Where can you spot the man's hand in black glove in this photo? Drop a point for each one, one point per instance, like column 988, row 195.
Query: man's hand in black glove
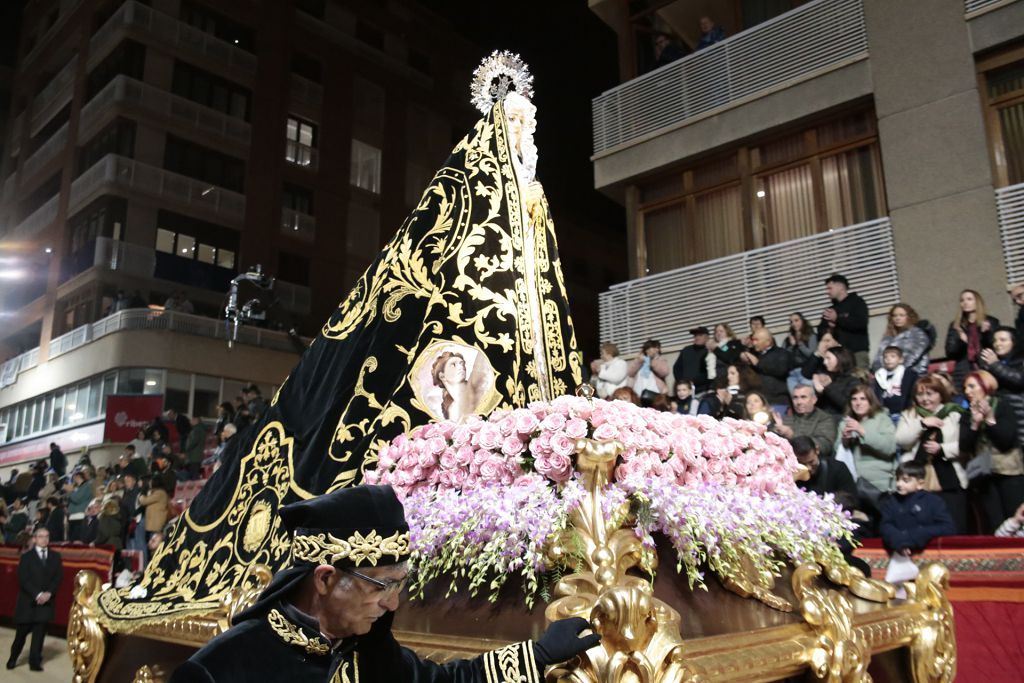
column 562, row 641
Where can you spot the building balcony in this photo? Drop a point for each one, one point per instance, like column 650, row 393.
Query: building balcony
column 1010, row 209
column 301, row 155
column 43, row 43
column 127, row 93
column 802, row 44
column 152, row 27
column 297, row 224
column 123, row 176
column 37, row 222
column 47, row 153
column 54, row 96
column 306, row 92
column 772, row 281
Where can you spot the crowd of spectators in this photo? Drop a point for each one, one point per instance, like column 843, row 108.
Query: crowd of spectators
column 863, row 421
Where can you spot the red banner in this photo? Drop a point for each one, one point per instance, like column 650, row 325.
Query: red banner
column 128, row 413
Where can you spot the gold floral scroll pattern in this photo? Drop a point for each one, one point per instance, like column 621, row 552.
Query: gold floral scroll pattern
column 329, row 549
column 839, row 654
column 86, row 639
column 933, row 650
column 293, row 635
column 149, row 674
column 511, row 664
column 254, row 537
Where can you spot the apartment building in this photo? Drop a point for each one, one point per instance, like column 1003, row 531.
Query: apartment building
column 161, row 146
column 883, row 140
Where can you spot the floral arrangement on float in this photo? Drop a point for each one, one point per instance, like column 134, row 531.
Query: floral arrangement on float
column 490, row 498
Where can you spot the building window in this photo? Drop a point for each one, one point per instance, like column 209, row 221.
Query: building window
column 127, row 59
column 301, row 142
column 821, row 178
column 306, row 66
column 365, row 172
column 1003, row 95
column 201, row 163
column 297, row 199
column 188, row 247
column 293, row 268
column 210, row 22
column 210, row 91
column 117, row 138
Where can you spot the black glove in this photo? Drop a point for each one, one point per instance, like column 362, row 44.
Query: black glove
column 562, row 641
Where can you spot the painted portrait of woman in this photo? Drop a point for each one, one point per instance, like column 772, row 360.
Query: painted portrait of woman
column 453, row 380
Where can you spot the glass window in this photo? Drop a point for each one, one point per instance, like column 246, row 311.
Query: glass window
column 37, row 414
column 131, row 381
column 153, row 381
column 95, row 394
column 206, row 254
column 186, row 246
column 179, row 385
column 365, row 171
column 226, row 258
column 165, row 241
column 206, row 396
column 47, row 412
column 71, row 405
column 853, row 187
column 786, row 204
column 664, row 237
column 301, row 139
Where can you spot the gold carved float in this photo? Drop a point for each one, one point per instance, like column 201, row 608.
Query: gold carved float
column 828, row 623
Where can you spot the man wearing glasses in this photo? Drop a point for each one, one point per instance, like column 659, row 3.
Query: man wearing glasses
column 328, row 616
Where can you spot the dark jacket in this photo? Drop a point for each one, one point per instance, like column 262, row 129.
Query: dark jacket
column 773, row 366
column 834, row 397
column 831, row 476
column 56, row 524
column 851, row 325
column 692, row 365
column 818, row 425
column 710, row 405
column 1009, row 372
column 892, row 402
column 956, row 349
column 913, row 520
column 196, row 444
column 58, row 461
column 108, row 529
column 34, row 578
column 727, row 354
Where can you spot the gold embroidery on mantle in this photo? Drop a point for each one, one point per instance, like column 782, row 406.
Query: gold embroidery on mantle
column 329, row 549
column 293, row 635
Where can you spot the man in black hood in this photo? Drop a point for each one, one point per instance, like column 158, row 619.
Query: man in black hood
column 329, row 615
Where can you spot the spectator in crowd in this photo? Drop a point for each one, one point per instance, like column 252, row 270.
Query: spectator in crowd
column 970, row 332
column 225, row 416
column 928, row 433
column 58, row 461
column 684, row 402
column 756, row 323
column 128, row 461
column 17, row 520
column 243, row 418
column 1017, row 295
column 893, row 383
column 647, row 372
column 110, row 527
column 807, row 419
column 52, row 487
column 163, row 471
column 834, row 385
column 178, row 303
column 726, row 348
column 1012, row 526
column 846, row 318
column 56, row 521
column 181, row 423
column 827, row 475
column 904, row 330
column 257, row 405
column 722, row 402
column 625, row 394
column 195, row 447
column 38, row 481
column 608, row 372
column 667, row 50
column 142, row 447
column 692, row 361
column 867, row 438
column 156, row 505
column 710, row 33
column 914, row 516
column 772, row 364
column 757, row 408
column 801, row 342
column 79, row 492
column 225, row 436
column 995, row 465
column 39, row 574
column 1007, row 366
column 90, row 525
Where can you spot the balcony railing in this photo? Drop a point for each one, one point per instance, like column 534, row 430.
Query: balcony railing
column 170, row 321
column 172, row 34
column 975, row 6
column 40, row 219
column 805, row 42
column 298, row 224
column 306, row 91
column 11, row 368
column 42, row 44
column 772, row 281
column 47, row 152
column 300, row 154
column 1010, row 208
column 128, row 91
column 53, row 96
column 130, row 175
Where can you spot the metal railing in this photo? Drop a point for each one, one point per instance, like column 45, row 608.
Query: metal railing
column 39, row 220
column 47, row 152
column 812, row 39
column 306, row 91
column 53, row 96
column 1010, row 209
column 157, row 183
column 297, row 224
column 975, row 6
column 772, row 281
column 170, row 33
column 170, row 321
column 300, row 154
column 11, row 368
column 126, row 90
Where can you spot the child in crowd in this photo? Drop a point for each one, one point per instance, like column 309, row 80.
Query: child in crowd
column 913, row 517
column 893, row 382
column 1013, row 526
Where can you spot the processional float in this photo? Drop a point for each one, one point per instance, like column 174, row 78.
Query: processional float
column 450, row 372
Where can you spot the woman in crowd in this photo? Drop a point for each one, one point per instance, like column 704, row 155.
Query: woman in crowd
column 608, row 372
column 970, row 332
column 757, row 408
column 832, row 377
column 722, row 402
column 928, row 432
column 79, row 493
column 156, row 503
column 647, row 372
column 868, row 435
column 109, row 525
column 801, row 343
column 726, row 348
column 902, row 331
column 225, row 416
column 143, row 446
column 989, row 440
column 1007, row 366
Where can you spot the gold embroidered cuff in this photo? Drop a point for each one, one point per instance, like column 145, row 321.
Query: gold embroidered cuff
column 326, row 548
column 513, row 663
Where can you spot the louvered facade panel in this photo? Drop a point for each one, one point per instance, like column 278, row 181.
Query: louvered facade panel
column 1010, row 206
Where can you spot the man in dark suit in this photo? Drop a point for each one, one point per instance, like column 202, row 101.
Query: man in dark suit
column 39, row 574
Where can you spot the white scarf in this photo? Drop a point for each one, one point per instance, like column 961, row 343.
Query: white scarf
column 890, row 387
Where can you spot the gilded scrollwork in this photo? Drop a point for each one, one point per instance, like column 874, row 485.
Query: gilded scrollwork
column 86, row 638
column 933, row 649
column 839, row 653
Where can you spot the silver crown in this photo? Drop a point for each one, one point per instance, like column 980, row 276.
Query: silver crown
column 498, row 75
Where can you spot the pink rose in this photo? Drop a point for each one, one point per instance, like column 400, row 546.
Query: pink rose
column 462, row 435
column 464, row 456
column 555, row 467
column 512, row 446
column 488, row 436
column 562, row 445
column 492, row 469
column 449, row 460
column 606, row 432
column 526, row 422
column 576, row 428
column 553, row 422
column 507, row 425
column 436, row 445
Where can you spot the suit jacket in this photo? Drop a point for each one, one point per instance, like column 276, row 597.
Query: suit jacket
column 34, row 578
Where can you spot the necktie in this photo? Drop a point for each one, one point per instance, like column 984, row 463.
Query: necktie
column 43, row 556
